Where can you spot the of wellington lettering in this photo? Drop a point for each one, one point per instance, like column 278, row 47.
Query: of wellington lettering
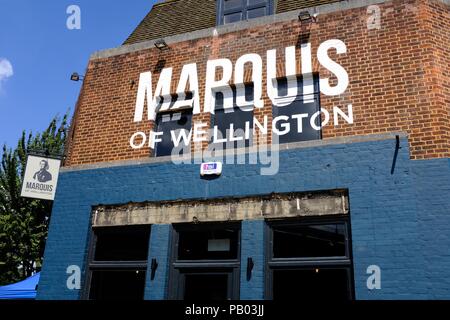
column 160, row 99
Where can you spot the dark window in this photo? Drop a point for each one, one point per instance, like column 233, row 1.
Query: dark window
column 232, row 17
column 300, row 126
column 237, row 117
column 208, row 244
column 121, row 244
column 205, row 262
column 311, row 284
column 171, row 121
column 309, row 260
column 291, row 241
column 212, row 286
column 117, row 285
column 229, row 11
column 255, row 13
column 117, row 263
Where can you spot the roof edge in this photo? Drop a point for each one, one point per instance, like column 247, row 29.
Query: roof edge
column 224, row 29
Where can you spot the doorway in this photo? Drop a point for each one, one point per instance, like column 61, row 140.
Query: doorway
column 205, row 262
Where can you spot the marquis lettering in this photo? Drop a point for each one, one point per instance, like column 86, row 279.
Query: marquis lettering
column 39, row 186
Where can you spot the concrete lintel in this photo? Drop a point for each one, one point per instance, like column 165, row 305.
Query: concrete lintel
column 228, row 209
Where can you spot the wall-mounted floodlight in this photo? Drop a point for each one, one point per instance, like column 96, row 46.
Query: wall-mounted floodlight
column 76, row 77
column 305, row 17
column 161, row 44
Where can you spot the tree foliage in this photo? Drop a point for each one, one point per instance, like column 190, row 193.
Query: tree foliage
column 24, row 221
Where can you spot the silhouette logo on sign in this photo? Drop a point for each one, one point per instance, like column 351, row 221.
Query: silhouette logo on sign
column 43, row 175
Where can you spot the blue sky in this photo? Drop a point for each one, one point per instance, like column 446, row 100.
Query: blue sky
column 38, row 53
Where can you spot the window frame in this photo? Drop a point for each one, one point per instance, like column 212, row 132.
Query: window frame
column 339, row 262
column 220, row 107
column 315, row 94
column 93, row 265
column 157, row 124
column 236, row 145
column 243, row 8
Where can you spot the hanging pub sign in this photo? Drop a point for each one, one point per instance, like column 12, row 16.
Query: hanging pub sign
column 41, row 177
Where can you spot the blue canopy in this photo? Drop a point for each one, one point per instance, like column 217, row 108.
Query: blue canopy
column 25, row 289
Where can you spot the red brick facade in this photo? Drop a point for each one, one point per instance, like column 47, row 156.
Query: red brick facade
column 399, row 78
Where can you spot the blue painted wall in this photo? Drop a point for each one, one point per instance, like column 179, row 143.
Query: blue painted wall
column 432, row 191
column 156, row 289
column 252, row 245
column 399, row 221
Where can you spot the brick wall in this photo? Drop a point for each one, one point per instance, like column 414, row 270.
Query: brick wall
column 399, row 78
column 433, row 209
column 435, row 31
